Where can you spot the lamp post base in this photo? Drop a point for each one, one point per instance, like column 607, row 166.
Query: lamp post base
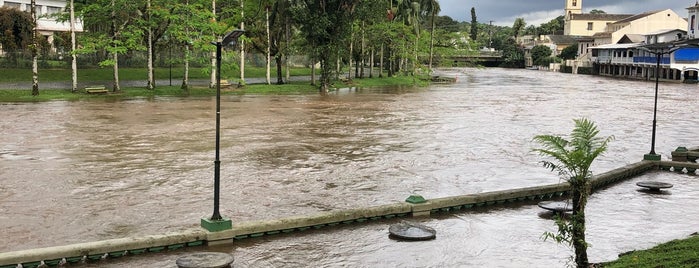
column 216, row 225
column 652, row 157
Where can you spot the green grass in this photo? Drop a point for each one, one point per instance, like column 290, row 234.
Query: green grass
column 24, row 95
column 676, row 254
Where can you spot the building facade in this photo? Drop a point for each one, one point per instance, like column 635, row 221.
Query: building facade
column 46, row 10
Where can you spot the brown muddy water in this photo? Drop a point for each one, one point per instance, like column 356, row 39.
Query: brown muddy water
column 83, row 171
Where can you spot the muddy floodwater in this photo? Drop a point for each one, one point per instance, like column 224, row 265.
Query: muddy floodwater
column 82, row 171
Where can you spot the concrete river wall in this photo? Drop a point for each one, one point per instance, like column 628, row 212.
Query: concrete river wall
column 53, row 256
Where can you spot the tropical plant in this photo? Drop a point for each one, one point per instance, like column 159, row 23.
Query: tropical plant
column 539, row 55
column 518, row 27
column 325, row 24
column 570, row 52
column 572, row 160
column 474, row 24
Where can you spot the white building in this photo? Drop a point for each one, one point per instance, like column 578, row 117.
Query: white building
column 673, row 52
column 46, row 23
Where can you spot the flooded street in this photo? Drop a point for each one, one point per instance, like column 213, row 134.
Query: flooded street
column 91, row 170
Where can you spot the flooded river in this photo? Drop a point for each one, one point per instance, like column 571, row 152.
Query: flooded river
column 90, row 170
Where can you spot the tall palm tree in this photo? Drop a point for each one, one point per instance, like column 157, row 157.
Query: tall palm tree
column 572, row 160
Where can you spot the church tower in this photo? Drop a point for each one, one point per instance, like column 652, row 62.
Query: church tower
column 692, row 23
column 572, row 7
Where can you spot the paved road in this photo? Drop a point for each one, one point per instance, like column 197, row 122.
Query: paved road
column 131, row 83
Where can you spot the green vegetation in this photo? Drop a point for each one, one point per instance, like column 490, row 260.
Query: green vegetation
column 677, row 254
column 16, row 95
column 572, row 160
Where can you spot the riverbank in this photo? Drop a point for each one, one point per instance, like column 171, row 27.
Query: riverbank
column 300, row 85
column 677, row 253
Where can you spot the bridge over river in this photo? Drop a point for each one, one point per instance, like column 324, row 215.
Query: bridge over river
column 488, row 59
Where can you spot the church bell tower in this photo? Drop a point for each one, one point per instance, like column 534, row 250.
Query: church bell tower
column 572, row 7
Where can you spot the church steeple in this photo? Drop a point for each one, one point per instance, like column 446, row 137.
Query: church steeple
column 693, row 21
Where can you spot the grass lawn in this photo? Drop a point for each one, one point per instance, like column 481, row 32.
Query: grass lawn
column 12, row 95
column 676, row 254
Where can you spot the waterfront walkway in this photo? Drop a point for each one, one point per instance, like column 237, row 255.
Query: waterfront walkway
column 53, row 256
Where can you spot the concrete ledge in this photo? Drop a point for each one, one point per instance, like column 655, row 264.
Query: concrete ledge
column 618, row 174
column 100, row 247
column 669, row 164
column 154, row 243
column 490, row 197
column 261, row 227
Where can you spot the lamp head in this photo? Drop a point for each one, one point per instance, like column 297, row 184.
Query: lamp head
column 231, row 38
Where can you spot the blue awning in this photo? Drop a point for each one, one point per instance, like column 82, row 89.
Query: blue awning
column 687, row 55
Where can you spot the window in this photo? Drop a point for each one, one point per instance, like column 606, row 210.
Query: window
column 575, row 3
column 589, row 26
column 53, row 10
column 691, row 25
column 38, row 10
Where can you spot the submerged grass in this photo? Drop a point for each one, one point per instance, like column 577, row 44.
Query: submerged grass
column 24, row 95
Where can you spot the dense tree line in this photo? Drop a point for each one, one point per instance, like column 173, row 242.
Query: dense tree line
column 331, row 32
column 344, row 36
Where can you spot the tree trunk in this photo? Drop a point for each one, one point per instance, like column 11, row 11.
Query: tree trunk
column 371, row 63
column 381, row 62
column 337, row 66
column 287, row 50
column 324, row 74
column 362, row 56
column 74, row 62
column 313, row 70
column 579, row 196
column 35, row 52
column 115, row 55
column 185, row 78
column 269, row 44
column 212, row 82
column 349, row 70
column 151, row 75
column 242, row 44
column 278, row 60
column 431, row 38
column 116, row 87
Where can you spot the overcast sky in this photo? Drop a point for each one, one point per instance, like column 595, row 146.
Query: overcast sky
column 535, row 12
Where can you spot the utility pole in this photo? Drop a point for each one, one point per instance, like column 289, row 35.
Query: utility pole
column 490, row 35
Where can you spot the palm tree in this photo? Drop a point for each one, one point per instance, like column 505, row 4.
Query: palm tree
column 572, row 160
column 518, row 27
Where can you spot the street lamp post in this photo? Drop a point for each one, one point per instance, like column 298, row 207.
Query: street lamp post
column 659, row 52
column 216, row 222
